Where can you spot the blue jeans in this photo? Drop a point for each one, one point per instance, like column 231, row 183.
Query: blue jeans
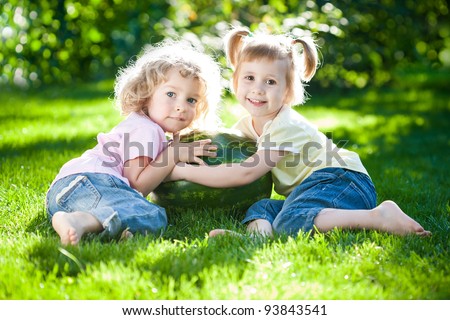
column 115, row 204
column 326, row 188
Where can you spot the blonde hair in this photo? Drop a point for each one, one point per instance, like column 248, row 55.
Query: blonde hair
column 241, row 46
column 136, row 83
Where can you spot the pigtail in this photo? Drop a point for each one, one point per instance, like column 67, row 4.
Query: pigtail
column 309, row 57
column 233, row 44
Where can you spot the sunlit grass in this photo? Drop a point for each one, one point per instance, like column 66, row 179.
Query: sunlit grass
column 401, row 135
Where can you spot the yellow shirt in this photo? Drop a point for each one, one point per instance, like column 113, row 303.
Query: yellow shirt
column 307, row 148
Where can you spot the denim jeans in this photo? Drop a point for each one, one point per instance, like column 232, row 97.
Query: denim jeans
column 326, row 188
column 115, row 204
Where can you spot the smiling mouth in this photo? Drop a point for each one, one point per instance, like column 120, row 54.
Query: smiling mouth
column 256, row 102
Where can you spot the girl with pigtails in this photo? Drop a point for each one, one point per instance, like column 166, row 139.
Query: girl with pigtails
column 325, row 186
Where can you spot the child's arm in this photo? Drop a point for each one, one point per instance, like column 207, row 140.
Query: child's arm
column 145, row 175
column 229, row 174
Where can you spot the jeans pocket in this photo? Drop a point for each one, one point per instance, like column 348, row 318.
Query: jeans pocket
column 79, row 195
column 352, row 198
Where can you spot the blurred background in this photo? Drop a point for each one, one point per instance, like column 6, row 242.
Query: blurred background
column 363, row 43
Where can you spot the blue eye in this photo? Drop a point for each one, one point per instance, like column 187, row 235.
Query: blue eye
column 192, row 100
column 170, row 94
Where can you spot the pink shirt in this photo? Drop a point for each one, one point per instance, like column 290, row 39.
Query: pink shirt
column 135, row 136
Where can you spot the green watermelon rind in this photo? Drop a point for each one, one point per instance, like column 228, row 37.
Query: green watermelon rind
column 193, row 195
column 232, row 148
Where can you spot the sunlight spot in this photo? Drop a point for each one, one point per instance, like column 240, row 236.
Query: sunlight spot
column 19, row 48
column 286, row 265
column 346, row 277
column 154, row 290
column 233, row 289
column 420, row 121
column 326, row 122
column 107, row 277
column 7, row 32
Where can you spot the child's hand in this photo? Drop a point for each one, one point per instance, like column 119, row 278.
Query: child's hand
column 191, row 151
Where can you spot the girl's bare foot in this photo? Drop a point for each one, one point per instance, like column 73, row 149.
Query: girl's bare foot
column 126, row 234
column 256, row 228
column 222, row 232
column 252, row 232
column 72, row 226
column 395, row 221
column 260, row 227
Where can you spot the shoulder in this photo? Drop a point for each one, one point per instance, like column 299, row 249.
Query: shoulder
column 138, row 121
column 140, row 128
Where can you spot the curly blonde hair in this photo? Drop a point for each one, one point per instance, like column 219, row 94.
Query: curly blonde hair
column 241, row 45
column 136, row 83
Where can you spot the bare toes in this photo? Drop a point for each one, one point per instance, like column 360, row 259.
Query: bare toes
column 224, row 232
column 217, row 232
column 126, row 234
column 424, row 233
column 64, row 227
column 398, row 222
column 73, row 236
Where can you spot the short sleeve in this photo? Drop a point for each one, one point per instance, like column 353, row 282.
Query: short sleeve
column 144, row 141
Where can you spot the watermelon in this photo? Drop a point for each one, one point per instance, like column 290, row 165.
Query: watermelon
column 232, row 147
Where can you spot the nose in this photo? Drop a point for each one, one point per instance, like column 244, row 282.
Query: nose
column 180, row 107
column 258, row 89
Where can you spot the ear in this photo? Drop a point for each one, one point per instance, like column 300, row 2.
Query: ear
column 233, row 43
column 309, row 55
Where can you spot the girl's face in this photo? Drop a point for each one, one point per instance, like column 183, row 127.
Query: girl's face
column 173, row 105
column 261, row 87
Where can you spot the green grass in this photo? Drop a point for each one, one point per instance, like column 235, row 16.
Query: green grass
column 401, row 134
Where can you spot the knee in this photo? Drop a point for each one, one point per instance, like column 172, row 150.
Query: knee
column 153, row 221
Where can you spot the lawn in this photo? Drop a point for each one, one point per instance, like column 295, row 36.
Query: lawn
column 400, row 132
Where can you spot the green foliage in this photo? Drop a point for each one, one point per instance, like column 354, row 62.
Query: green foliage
column 61, row 41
